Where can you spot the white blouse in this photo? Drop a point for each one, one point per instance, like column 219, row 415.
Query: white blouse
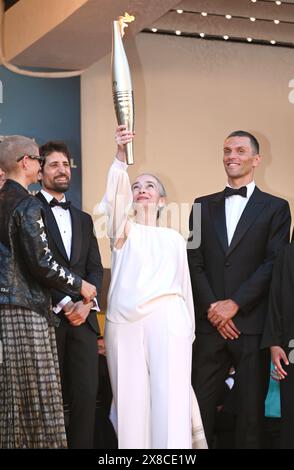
column 152, row 262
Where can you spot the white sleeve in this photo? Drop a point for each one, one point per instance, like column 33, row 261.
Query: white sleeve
column 95, row 306
column 117, row 200
column 61, row 304
column 187, row 287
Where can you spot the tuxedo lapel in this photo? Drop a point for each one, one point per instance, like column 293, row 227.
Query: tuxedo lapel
column 53, row 227
column 253, row 208
column 76, row 244
column 218, row 215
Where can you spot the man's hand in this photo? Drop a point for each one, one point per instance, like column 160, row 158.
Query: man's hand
column 221, row 312
column 101, row 346
column 122, row 137
column 79, row 313
column 68, row 308
column 278, row 354
column 229, row 330
column 211, row 308
column 88, row 291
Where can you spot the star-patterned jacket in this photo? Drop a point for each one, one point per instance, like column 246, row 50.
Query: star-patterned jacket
column 27, row 266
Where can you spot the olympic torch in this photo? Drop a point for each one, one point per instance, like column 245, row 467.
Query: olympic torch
column 123, row 96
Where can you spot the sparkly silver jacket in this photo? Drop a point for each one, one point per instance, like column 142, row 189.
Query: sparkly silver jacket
column 27, row 267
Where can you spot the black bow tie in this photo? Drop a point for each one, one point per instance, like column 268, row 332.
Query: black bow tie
column 232, row 192
column 64, row 205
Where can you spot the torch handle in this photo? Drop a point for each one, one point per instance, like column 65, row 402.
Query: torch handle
column 124, row 109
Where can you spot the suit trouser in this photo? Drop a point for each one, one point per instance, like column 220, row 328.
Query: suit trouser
column 287, row 405
column 212, row 358
column 78, row 359
column 149, row 363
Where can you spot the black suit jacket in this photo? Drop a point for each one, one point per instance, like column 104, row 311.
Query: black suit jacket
column 85, row 257
column 279, row 327
column 241, row 271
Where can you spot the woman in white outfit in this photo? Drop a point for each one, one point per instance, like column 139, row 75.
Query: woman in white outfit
column 150, row 315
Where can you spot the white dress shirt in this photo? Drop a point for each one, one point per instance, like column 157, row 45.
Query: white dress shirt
column 235, row 206
column 63, row 220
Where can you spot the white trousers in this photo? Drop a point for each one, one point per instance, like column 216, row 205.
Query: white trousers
column 149, row 364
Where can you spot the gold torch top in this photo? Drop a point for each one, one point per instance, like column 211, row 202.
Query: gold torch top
column 123, row 22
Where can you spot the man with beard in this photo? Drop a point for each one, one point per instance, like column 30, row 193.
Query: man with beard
column 72, row 240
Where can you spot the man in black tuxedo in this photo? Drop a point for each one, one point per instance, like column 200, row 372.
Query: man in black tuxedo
column 74, row 245
column 242, row 229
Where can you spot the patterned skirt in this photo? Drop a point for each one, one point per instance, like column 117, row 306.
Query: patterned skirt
column 31, row 409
